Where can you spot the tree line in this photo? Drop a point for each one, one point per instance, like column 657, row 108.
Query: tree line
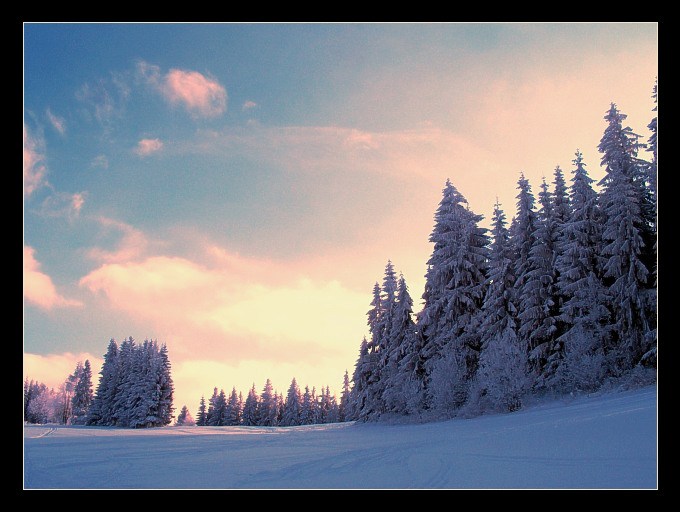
column 270, row 408
column 562, row 300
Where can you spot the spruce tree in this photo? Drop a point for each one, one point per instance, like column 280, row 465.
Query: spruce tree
column 344, row 399
column 233, row 414
column 583, row 311
column 454, row 292
column 202, row 416
column 250, row 408
column 293, row 405
column 403, row 390
column 101, row 411
column 82, row 395
column 267, row 408
column 625, row 236
column 538, row 302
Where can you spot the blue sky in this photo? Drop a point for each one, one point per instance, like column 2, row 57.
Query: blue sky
column 234, row 190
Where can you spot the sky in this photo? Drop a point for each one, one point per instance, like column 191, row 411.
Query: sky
column 235, row 190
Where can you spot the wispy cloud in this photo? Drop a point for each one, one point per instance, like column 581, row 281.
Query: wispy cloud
column 100, row 162
column 146, row 147
column 39, row 290
column 58, row 123
column 106, row 98
column 199, row 94
column 249, row 105
column 34, row 163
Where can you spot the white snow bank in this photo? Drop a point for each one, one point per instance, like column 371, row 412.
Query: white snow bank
column 603, row 442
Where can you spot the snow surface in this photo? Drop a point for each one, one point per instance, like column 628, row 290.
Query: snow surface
column 598, row 442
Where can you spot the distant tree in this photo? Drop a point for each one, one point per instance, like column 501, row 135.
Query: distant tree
column 344, row 399
column 251, row 408
column 202, row 416
column 307, row 411
column 184, row 419
column 211, row 418
column 233, row 414
column 293, row 406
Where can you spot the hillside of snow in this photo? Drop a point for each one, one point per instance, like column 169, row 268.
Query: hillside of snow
column 599, row 442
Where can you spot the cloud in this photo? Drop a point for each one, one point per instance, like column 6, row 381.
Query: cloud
column 131, row 245
column 146, row 147
column 34, row 163
column 249, row 105
column 198, row 94
column 62, row 204
column 100, row 162
column 39, row 289
column 231, row 309
column 53, row 369
column 58, row 123
column 106, row 98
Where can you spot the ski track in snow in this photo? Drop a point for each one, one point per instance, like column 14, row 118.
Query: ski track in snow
column 606, row 441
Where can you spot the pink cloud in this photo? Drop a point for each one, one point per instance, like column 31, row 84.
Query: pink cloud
column 146, row 147
column 34, row 163
column 39, row 289
column 197, row 93
column 249, row 104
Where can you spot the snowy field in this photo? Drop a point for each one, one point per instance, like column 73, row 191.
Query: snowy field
column 602, row 442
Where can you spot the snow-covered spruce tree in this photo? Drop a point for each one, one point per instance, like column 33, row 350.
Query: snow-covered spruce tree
column 233, row 413
column 101, row 411
column 292, row 406
column 184, row 419
column 381, row 339
column 307, row 411
column 267, row 407
column 454, row 291
column 625, row 236
column 220, row 412
column 210, row 417
column 652, row 143
column 167, row 387
column 403, row 391
column 360, row 376
column 66, row 390
column 344, row 399
column 82, row 395
column 202, row 415
column 538, row 303
column 129, row 368
column 140, row 388
column 577, row 363
column 501, row 378
column 250, row 408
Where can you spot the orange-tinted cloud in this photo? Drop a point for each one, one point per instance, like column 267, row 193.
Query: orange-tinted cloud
column 132, row 244
column 39, row 290
column 53, row 369
column 146, row 147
